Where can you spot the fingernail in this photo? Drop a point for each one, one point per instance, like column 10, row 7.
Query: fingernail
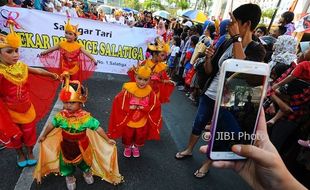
column 237, row 148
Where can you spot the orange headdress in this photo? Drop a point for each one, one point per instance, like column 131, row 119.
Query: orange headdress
column 69, row 94
column 143, row 72
column 12, row 39
column 160, row 45
column 72, row 28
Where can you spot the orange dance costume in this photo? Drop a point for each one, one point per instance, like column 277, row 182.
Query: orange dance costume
column 69, row 57
column 74, row 142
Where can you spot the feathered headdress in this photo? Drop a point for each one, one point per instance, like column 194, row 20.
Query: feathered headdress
column 12, row 39
column 71, row 28
column 159, row 45
column 69, row 94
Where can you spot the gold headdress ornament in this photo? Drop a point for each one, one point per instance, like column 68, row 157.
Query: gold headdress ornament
column 144, row 72
column 12, row 39
column 68, row 94
column 161, row 45
column 71, row 28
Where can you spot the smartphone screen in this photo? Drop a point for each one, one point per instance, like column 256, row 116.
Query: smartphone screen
column 237, row 114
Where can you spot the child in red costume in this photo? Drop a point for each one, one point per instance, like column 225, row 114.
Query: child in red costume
column 70, row 56
column 160, row 81
column 136, row 114
column 17, row 109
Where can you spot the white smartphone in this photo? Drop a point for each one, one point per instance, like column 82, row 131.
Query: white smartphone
column 241, row 90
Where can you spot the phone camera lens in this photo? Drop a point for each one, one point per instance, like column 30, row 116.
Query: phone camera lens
column 237, row 65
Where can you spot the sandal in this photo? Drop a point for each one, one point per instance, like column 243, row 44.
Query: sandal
column 180, row 156
column 88, row 177
column 70, row 182
column 21, row 164
column 198, row 174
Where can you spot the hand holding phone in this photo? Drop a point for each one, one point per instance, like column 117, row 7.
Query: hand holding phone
column 264, row 168
column 240, row 94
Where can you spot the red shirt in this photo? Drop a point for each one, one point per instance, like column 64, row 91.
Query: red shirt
column 302, row 71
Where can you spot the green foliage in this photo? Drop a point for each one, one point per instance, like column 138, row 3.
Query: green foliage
column 268, row 12
column 183, row 4
column 134, row 4
column 153, row 5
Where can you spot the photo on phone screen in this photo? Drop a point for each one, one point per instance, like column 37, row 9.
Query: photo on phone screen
column 237, row 109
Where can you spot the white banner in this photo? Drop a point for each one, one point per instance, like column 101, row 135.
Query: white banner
column 115, row 47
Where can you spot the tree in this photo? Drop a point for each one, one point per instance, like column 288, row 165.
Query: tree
column 268, row 13
column 153, row 5
column 134, row 4
column 183, row 4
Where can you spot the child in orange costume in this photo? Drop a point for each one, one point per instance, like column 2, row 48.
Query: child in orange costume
column 160, row 81
column 136, row 114
column 70, row 56
column 17, row 109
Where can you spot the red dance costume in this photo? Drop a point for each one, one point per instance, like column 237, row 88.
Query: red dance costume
column 18, row 104
column 135, row 125
column 70, row 58
column 162, row 90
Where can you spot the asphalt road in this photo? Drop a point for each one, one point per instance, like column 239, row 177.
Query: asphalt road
column 155, row 169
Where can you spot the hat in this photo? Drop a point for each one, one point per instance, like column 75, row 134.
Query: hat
column 12, row 39
column 159, row 46
column 72, row 28
column 188, row 24
column 69, row 94
column 117, row 13
column 144, row 72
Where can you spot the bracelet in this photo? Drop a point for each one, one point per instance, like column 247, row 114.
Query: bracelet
column 236, row 36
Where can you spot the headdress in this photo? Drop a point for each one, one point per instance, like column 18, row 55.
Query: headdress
column 12, row 39
column 71, row 28
column 69, row 94
column 159, row 45
column 143, row 71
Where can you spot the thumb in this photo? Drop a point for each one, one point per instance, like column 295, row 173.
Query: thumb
column 258, row 155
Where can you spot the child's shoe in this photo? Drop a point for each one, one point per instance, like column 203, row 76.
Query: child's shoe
column 88, row 177
column 135, row 152
column 70, row 181
column 127, row 152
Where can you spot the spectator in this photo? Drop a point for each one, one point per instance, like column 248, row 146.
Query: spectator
column 145, row 20
column 118, row 19
column 58, row 8
column 286, row 20
column 161, row 30
column 260, row 31
column 284, row 51
column 223, row 33
column 71, row 11
column 244, row 21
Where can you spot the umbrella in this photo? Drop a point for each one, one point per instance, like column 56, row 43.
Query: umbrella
column 130, row 10
column 195, row 15
column 162, row 14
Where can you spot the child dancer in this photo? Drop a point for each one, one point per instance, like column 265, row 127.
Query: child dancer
column 160, row 81
column 17, row 107
column 70, row 56
column 74, row 138
column 136, row 113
